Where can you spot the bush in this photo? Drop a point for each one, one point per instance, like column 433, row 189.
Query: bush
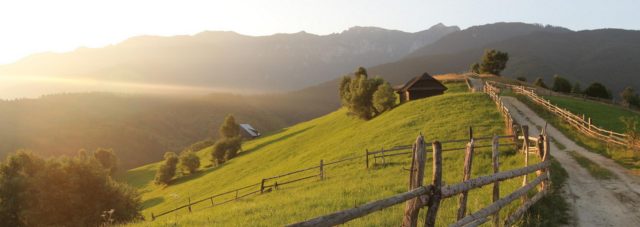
column 597, row 90
column 107, row 159
column 189, row 161
column 167, row 169
column 540, row 83
column 576, row 88
column 630, row 97
column 62, row 192
column 384, row 98
column 561, row 84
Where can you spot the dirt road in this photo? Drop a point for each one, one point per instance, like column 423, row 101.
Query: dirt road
column 614, row 202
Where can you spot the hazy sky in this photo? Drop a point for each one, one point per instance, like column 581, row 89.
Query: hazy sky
column 28, row 26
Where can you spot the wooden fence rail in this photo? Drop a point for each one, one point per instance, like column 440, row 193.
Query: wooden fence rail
column 430, row 196
column 582, row 123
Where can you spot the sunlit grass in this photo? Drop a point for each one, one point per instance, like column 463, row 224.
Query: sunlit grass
column 333, row 137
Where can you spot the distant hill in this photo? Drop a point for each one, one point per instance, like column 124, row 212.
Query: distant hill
column 280, row 62
column 610, row 56
column 140, row 128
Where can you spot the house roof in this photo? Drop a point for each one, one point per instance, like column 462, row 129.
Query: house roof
column 426, row 83
column 250, row 130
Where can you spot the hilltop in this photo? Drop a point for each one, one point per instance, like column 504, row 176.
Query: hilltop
column 331, row 137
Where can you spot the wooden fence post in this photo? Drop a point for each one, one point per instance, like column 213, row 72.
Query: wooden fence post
column 496, row 168
column 262, row 186
column 468, row 160
column 416, row 179
column 153, row 217
column 525, row 148
column 366, row 155
column 546, row 157
column 589, row 123
column 321, row 169
column 434, row 200
column 470, row 133
column 189, row 204
column 211, row 198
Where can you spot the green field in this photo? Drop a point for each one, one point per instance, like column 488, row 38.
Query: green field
column 602, row 115
column 333, row 137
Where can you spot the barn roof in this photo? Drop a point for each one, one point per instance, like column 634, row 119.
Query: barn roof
column 250, row 130
column 426, row 83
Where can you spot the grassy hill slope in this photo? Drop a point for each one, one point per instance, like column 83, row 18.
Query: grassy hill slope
column 333, row 137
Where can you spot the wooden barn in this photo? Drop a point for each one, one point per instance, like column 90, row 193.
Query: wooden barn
column 420, row 87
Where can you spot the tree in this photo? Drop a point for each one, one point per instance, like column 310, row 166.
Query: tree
column 576, row 88
column 189, row 161
column 229, row 128
column 522, row 78
column 107, row 159
column 493, row 62
column 233, row 146
column 475, row 68
column 561, row 84
column 384, row 98
column 167, row 170
column 630, row 97
column 356, row 94
column 225, row 149
column 597, row 90
column 540, row 83
column 65, row 191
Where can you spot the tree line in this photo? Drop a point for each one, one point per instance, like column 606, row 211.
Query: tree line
column 224, row 149
column 65, row 191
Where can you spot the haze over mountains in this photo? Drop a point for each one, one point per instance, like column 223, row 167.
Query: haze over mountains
column 231, row 61
column 302, row 68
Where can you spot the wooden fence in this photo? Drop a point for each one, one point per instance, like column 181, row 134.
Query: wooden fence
column 580, row 122
column 430, row 196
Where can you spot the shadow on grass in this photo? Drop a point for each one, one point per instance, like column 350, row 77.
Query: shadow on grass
column 193, row 176
column 152, row 202
column 267, row 143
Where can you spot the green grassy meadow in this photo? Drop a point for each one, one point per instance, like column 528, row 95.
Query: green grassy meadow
column 602, row 115
column 332, row 137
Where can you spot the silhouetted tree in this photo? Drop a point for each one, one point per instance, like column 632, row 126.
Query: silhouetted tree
column 561, row 84
column 597, row 90
column 167, row 169
column 540, row 83
column 107, row 159
column 493, row 62
column 189, row 161
column 475, row 68
column 630, row 97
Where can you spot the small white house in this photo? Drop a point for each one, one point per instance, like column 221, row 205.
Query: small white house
column 248, row 131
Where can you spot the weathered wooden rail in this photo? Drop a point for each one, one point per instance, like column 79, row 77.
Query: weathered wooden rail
column 430, row 196
column 580, row 122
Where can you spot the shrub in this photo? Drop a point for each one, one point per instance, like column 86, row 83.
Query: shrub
column 540, row 83
column 167, row 169
column 630, row 97
column 561, row 84
column 597, row 90
column 384, row 98
column 189, row 161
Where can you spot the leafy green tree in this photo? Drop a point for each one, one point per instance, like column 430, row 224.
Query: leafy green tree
column 189, row 161
column 356, row 94
column 229, row 128
column 493, row 62
column 576, row 88
column 167, row 170
column 630, row 97
column 597, row 90
column 218, row 152
column 14, row 174
column 233, row 146
column 107, row 159
column 475, row 68
column 226, row 149
column 561, row 84
column 540, row 83
column 384, row 98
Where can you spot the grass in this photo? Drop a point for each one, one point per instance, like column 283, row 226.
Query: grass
column 594, row 169
column 619, row 154
column 553, row 209
column 602, row 115
column 333, row 137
